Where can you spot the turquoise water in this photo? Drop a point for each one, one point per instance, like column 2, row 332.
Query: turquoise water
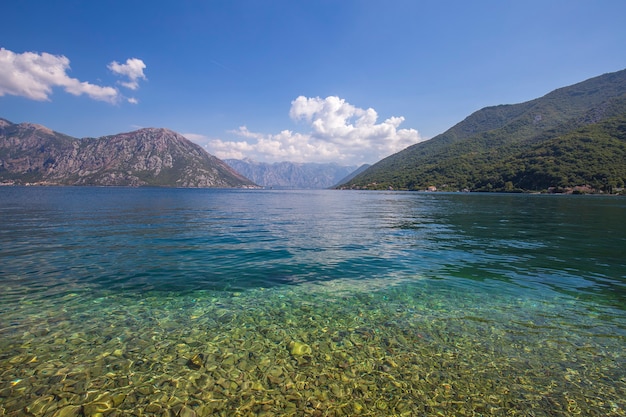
column 120, row 302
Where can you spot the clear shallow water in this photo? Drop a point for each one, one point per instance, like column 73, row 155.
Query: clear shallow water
column 224, row 302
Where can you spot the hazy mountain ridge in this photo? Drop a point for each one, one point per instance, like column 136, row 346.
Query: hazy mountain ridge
column 31, row 153
column 353, row 174
column 480, row 152
column 291, row 174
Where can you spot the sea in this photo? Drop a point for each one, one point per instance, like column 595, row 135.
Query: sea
column 220, row 302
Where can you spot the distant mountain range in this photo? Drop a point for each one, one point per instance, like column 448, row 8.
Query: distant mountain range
column 34, row 154
column 292, row 174
column 572, row 137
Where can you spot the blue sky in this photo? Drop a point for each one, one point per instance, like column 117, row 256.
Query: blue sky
column 347, row 81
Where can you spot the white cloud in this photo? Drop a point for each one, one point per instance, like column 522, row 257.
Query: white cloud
column 197, row 138
column 133, row 69
column 33, row 75
column 339, row 132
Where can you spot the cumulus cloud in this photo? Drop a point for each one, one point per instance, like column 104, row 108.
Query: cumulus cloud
column 133, row 69
column 197, row 138
column 339, row 132
column 284, row 146
column 34, row 75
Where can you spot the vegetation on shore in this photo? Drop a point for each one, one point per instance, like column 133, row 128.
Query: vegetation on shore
column 571, row 140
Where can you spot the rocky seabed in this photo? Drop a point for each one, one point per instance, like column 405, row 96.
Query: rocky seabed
column 337, row 349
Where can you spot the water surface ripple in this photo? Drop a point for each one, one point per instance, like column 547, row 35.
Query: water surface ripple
column 148, row 301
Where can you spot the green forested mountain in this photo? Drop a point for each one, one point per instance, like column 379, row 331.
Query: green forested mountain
column 594, row 155
column 570, row 137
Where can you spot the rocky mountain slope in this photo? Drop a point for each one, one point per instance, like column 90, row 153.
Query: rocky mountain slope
column 33, row 154
column 291, row 174
column 489, row 150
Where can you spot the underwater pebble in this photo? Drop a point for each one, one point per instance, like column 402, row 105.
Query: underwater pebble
column 196, row 361
column 186, row 412
column 41, row 405
column 68, row 411
column 299, row 348
column 253, row 356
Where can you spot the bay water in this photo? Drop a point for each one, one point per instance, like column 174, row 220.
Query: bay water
column 200, row 302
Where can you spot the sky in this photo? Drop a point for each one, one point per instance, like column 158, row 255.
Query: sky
column 344, row 81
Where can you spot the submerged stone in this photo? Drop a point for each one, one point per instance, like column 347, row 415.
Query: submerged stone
column 68, row 411
column 40, row 405
column 299, row 348
column 96, row 408
column 196, row 362
column 186, row 412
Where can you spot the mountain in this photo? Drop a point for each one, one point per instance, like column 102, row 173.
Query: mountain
column 353, row 174
column 291, row 174
column 492, row 149
column 31, row 153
